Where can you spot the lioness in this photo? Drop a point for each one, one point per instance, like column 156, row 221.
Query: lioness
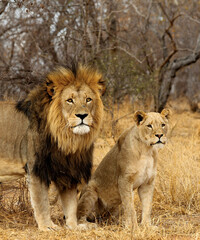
column 53, row 129
column 130, row 164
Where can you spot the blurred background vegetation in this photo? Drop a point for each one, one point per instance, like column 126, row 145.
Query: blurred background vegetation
column 146, row 49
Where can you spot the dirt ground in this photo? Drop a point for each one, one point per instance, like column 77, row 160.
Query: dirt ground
column 176, row 203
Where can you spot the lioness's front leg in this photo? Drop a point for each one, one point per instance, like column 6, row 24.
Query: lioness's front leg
column 145, row 192
column 127, row 198
column 69, row 204
column 40, row 203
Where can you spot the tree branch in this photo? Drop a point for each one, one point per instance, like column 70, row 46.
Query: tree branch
column 183, row 62
column 3, row 5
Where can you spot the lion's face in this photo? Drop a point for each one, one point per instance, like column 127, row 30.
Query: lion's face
column 78, row 108
column 153, row 127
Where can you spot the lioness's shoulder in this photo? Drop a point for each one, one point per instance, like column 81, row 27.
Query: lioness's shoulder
column 123, row 136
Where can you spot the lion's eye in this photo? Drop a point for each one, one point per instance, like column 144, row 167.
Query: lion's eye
column 88, row 100
column 149, row 126
column 163, row 125
column 70, row 100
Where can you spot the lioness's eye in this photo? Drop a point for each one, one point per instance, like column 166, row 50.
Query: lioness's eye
column 88, row 100
column 70, row 100
column 163, row 125
column 149, row 126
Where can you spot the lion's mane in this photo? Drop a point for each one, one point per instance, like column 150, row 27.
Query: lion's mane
column 60, row 155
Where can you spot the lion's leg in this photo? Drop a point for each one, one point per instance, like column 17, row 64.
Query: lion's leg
column 86, row 203
column 127, row 198
column 69, row 204
column 40, row 203
column 146, row 194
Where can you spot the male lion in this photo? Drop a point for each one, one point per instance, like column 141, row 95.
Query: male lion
column 130, row 164
column 61, row 118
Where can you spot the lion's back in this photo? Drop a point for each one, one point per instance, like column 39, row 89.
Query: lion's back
column 13, row 128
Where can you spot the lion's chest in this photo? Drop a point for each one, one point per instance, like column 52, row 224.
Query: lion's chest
column 65, row 170
column 145, row 172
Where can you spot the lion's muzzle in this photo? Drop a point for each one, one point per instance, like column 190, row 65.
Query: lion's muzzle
column 82, row 127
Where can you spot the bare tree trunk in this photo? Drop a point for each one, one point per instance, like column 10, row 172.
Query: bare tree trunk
column 169, row 74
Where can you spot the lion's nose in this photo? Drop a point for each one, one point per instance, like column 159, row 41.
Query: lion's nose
column 82, row 116
column 159, row 135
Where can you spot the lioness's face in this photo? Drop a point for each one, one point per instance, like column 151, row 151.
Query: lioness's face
column 78, row 108
column 153, row 128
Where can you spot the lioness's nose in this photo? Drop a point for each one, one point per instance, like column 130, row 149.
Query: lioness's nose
column 82, row 116
column 159, row 135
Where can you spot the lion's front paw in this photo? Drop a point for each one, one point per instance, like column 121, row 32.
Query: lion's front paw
column 130, row 224
column 71, row 225
column 50, row 227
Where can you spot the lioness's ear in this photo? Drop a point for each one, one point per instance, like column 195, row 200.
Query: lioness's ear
column 101, row 86
column 166, row 113
column 139, row 116
column 50, row 87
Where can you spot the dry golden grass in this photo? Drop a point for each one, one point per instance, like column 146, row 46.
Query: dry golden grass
column 176, row 203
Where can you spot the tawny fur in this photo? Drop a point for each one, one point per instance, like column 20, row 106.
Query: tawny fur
column 129, row 165
column 59, row 121
column 13, row 128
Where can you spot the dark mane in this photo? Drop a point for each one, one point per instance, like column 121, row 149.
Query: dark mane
column 65, row 171
column 73, row 67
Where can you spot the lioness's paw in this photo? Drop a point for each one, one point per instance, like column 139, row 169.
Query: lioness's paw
column 82, row 226
column 87, row 226
column 131, row 227
column 149, row 227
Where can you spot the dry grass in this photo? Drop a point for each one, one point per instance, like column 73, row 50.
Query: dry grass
column 176, row 203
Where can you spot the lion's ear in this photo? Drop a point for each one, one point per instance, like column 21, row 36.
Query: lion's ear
column 101, row 86
column 166, row 113
column 139, row 116
column 50, row 87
